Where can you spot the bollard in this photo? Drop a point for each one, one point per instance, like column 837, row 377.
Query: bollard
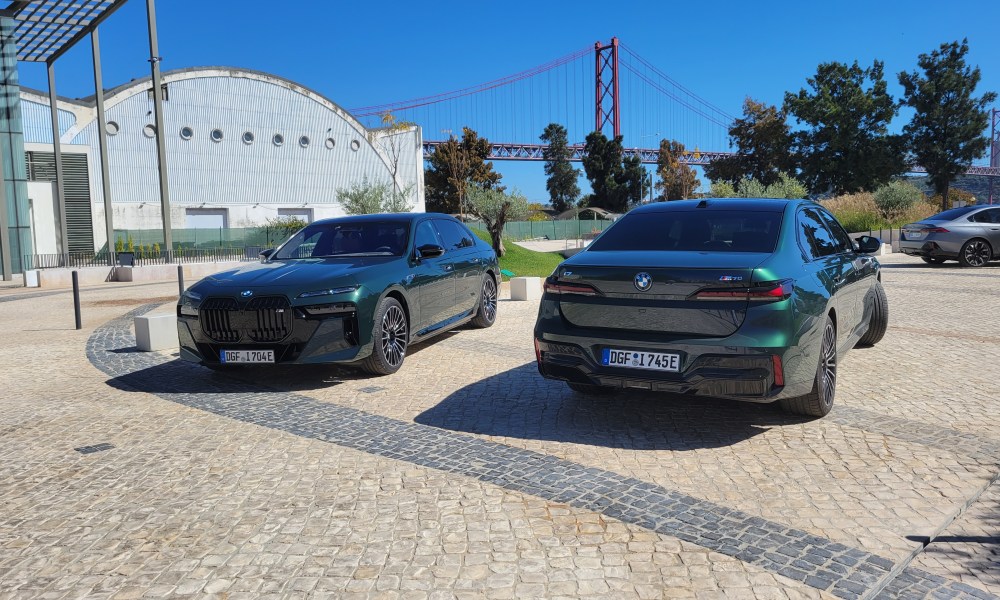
column 76, row 299
column 180, row 280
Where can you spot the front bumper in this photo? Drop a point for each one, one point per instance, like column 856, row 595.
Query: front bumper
column 309, row 339
column 737, row 375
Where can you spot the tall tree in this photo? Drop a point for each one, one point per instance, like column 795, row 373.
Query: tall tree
column 946, row 133
column 562, row 177
column 496, row 208
column 455, row 164
column 846, row 147
column 602, row 163
column 677, row 180
column 633, row 180
column 763, row 147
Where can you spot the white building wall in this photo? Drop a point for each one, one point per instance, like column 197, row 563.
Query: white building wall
column 252, row 181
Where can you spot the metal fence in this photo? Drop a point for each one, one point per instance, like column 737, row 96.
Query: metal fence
column 140, row 258
column 236, row 237
column 888, row 236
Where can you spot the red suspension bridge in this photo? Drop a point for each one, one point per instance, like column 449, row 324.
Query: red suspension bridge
column 603, row 87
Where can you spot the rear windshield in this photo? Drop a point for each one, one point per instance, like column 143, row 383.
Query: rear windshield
column 953, row 213
column 692, row 231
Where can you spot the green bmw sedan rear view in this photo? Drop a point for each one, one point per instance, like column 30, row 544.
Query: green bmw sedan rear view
column 752, row 300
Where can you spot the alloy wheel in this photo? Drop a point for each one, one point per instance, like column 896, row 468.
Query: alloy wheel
column 828, row 365
column 394, row 335
column 489, row 299
column 977, row 253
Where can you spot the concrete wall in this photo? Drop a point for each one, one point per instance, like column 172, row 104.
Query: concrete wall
column 43, row 211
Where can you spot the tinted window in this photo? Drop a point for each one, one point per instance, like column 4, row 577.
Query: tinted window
column 987, row 216
column 340, row 238
column 844, row 243
column 455, row 236
column 814, row 236
column 426, row 234
column 953, row 213
column 692, row 231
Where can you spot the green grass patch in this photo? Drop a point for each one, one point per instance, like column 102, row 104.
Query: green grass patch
column 523, row 262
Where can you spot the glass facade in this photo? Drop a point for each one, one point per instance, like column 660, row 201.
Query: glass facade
column 15, row 176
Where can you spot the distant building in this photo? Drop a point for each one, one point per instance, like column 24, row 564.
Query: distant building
column 242, row 147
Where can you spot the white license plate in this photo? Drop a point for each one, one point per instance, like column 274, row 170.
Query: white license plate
column 246, row 356
column 913, row 235
column 635, row 359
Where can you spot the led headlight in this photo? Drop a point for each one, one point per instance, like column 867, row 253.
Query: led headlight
column 330, row 292
column 188, row 304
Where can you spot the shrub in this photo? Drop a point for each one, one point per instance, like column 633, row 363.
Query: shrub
column 955, row 196
column 856, row 212
column 896, row 198
column 722, row 189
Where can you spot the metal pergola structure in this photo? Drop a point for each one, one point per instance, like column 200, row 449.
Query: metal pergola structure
column 45, row 30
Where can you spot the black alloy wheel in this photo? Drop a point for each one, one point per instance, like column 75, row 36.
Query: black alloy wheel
column 819, row 401
column 975, row 253
column 486, row 314
column 390, row 337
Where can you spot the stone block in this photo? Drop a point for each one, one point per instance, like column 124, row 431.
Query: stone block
column 156, row 332
column 526, row 288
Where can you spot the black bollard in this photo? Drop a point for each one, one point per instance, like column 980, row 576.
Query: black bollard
column 180, row 280
column 76, row 299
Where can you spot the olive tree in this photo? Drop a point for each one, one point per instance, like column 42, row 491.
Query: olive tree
column 496, row 207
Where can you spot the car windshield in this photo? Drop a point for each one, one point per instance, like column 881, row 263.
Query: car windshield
column 692, row 231
column 952, row 213
column 346, row 238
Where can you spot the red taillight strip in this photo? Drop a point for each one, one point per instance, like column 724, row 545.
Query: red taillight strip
column 765, row 293
column 779, row 371
column 556, row 287
column 935, row 230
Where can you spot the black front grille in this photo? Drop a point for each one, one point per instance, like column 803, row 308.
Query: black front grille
column 216, row 315
column 273, row 318
column 264, row 319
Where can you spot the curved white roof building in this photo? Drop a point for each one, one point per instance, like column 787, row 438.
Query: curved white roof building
column 242, row 147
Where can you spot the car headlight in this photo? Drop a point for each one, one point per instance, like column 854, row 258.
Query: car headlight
column 188, row 305
column 330, row 292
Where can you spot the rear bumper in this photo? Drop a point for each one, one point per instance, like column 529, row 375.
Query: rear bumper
column 929, row 248
column 728, row 372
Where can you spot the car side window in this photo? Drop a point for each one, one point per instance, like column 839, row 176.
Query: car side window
column 814, row 237
column 844, row 242
column 987, row 216
column 455, row 236
column 426, row 234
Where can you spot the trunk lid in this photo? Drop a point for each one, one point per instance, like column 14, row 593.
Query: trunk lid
column 656, row 291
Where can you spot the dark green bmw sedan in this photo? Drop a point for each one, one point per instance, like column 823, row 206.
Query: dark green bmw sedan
column 746, row 299
column 348, row 290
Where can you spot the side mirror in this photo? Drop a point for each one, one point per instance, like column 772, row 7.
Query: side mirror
column 868, row 244
column 266, row 254
column 429, row 251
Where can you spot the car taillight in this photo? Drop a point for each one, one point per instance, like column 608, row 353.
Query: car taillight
column 538, row 353
column 769, row 292
column 558, row 287
column 935, row 230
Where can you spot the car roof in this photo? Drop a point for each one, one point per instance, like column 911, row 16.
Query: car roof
column 721, row 204
column 383, row 217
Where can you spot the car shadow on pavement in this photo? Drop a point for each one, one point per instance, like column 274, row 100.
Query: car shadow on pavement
column 518, row 403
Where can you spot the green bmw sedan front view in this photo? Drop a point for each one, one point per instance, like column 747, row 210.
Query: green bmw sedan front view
column 752, row 300
column 348, row 290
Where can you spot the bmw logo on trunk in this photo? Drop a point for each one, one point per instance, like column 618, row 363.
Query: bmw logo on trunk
column 643, row 281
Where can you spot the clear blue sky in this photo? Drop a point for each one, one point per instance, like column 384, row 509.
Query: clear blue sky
column 362, row 53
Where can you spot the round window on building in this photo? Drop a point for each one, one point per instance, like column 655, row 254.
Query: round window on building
column 248, row 137
column 278, row 139
column 304, row 141
column 217, row 135
column 187, row 133
column 329, row 143
column 355, row 145
column 111, row 127
column 149, row 130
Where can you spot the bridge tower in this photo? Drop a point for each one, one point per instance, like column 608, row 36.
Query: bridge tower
column 607, row 87
column 994, row 147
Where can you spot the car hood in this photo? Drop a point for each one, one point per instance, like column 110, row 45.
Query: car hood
column 296, row 273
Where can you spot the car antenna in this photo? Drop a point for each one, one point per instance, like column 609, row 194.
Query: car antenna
column 702, row 204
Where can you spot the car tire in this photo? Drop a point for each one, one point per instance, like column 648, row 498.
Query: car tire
column 390, row 336
column 590, row 390
column 932, row 260
column 879, row 320
column 975, row 253
column 486, row 313
column 819, row 401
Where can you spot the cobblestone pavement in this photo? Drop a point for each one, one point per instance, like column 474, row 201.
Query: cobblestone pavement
column 465, row 474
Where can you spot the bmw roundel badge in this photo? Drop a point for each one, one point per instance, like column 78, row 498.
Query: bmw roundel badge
column 246, row 293
column 643, row 281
